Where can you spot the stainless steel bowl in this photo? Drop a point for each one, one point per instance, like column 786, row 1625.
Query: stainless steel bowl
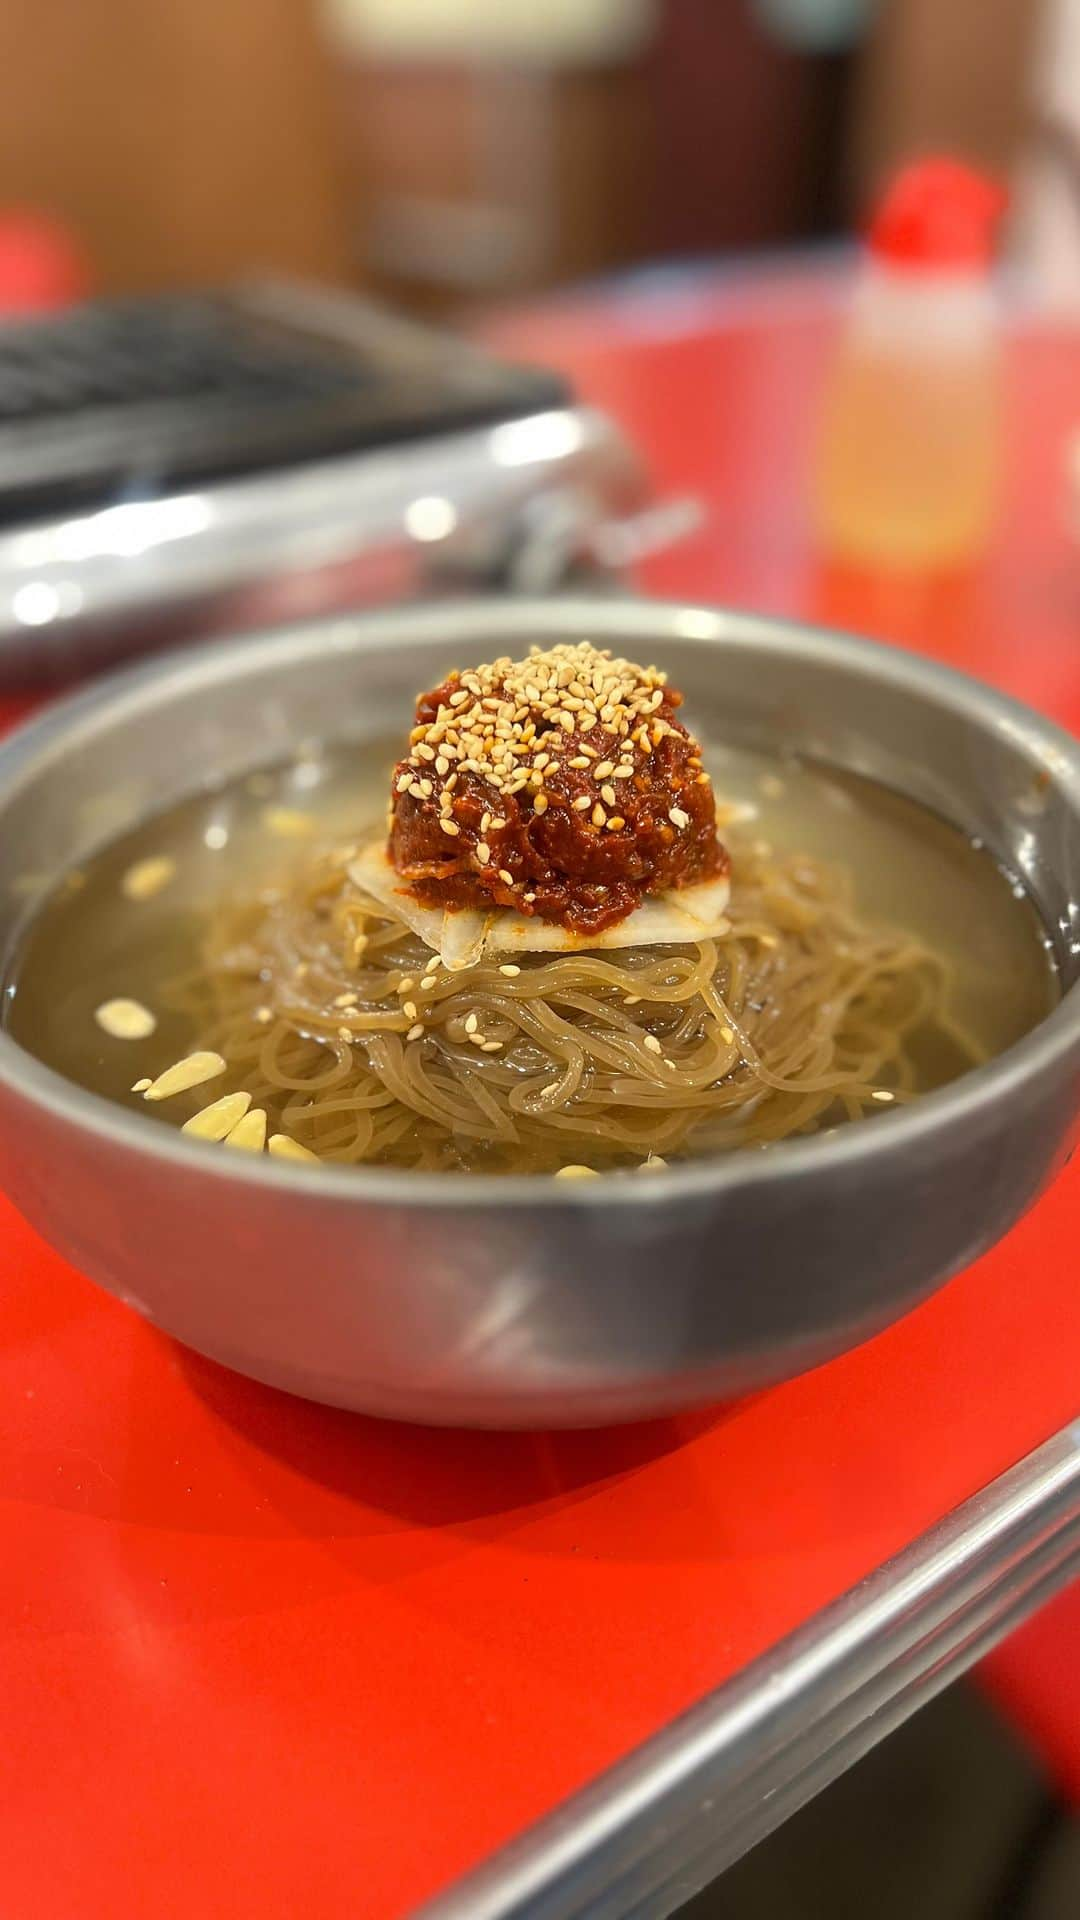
column 523, row 1302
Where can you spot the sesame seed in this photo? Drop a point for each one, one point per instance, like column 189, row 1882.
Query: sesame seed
column 608, row 793
column 573, row 1172
column 451, row 827
column 477, row 1040
column 433, row 964
column 677, row 817
column 880, row 1093
column 631, row 999
column 598, row 815
column 249, row 1133
column 540, row 804
column 603, row 770
column 582, row 803
column 346, row 1000
column 409, row 1009
column 471, row 1023
column 726, row 1036
column 615, row 823
column 428, row 984
column 218, row 1119
column 511, row 972
column 416, row 1030
column 483, row 852
column 405, row 984
column 284, row 1147
column 187, row 1073
column 147, row 877
column 288, row 823
column 125, row 1019
column 506, row 878
column 579, row 760
column 653, row 1043
column 492, row 1046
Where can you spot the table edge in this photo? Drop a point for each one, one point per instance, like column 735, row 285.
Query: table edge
column 659, row 1825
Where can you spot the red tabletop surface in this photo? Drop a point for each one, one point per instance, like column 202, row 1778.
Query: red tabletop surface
column 262, row 1658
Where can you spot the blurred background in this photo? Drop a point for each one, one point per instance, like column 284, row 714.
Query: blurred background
column 450, row 151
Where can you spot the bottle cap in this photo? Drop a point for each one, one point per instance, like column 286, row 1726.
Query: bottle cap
column 41, row 263
column 939, row 214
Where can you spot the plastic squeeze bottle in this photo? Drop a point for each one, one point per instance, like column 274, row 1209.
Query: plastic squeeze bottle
column 911, row 435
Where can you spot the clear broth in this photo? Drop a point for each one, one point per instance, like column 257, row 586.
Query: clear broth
column 89, row 943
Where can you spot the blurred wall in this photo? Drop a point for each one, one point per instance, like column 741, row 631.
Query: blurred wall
column 449, row 150
column 493, row 146
column 751, row 129
column 496, row 147
column 953, row 74
column 183, row 140
column 470, row 181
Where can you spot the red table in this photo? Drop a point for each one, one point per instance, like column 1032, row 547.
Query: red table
column 260, row 1658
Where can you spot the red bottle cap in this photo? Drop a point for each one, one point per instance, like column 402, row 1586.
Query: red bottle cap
column 41, row 263
column 939, row 214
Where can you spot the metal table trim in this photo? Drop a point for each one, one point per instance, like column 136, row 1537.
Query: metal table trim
column 658, row 1826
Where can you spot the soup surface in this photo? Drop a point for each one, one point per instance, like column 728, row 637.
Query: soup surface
column 875, row 955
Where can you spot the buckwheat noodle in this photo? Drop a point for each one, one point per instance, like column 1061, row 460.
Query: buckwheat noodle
column 789, row 1024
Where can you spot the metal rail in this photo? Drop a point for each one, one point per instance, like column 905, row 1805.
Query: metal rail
column 661, row 1824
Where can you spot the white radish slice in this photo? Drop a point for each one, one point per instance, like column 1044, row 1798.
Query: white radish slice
column 462, row 936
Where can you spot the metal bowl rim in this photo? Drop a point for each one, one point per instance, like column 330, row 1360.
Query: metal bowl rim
column 618, row 620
